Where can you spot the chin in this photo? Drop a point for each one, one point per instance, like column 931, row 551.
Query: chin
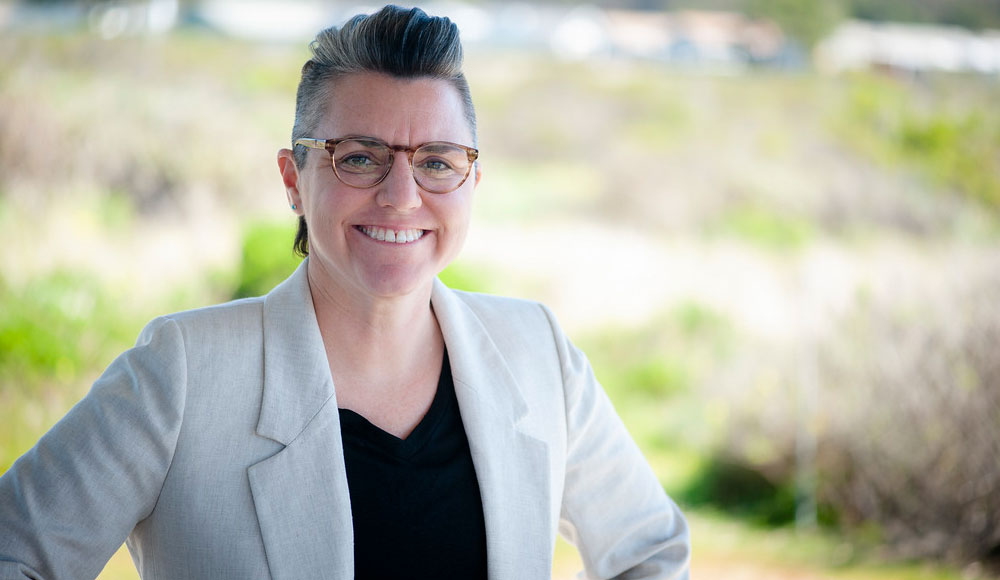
column 393, row 283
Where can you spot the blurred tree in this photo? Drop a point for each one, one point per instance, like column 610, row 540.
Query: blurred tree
column 888, row 10
column 973, row 14
column 807, row 21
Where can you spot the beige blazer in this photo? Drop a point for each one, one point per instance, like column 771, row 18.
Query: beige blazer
column 214, row 445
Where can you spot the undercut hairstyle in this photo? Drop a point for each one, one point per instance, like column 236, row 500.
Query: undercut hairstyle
column 404, row 43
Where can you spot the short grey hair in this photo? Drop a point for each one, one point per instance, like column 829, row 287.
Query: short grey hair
column 405, row 43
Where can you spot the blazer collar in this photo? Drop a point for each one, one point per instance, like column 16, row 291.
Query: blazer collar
column 300, row 494
column 479, row 368
column 297, row 380
column 512, row 466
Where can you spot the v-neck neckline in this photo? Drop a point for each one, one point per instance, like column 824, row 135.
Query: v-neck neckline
column 360, row 430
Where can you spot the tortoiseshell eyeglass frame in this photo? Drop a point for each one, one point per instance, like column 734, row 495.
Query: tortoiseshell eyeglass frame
column 331, row 144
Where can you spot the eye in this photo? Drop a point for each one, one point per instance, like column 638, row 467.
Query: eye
column 358, row 162
column 436, row 166
column 360, row 156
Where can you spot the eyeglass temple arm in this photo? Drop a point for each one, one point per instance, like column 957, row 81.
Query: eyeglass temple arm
column 311, row 143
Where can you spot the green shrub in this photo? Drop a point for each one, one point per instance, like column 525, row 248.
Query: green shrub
column 766, row 228
column 948, row 134
column 267, row 258
column 56, row 328
column 663, row 358
column 741, row 491
column 660, row 377
column 56, row 333
column 469, row 277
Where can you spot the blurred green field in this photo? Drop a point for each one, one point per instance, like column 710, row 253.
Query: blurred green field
column 786, row 282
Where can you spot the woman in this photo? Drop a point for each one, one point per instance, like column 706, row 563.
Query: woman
column 361, row 419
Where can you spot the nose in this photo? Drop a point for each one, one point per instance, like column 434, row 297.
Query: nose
column 399, row 190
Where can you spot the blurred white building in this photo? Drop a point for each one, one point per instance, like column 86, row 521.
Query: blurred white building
column 268, row 20
column 910, row 48
column 108, row 19
column 695, row 39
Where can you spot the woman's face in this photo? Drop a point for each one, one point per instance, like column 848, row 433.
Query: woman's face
column 345, row 222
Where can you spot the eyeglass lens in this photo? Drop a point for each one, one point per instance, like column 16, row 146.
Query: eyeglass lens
column 437, row 167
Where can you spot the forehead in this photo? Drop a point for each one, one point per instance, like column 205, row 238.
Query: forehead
column 400, row 111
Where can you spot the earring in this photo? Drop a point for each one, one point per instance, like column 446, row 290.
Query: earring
column 293, row 206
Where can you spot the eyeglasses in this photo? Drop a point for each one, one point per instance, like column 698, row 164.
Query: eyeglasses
column 363, row 162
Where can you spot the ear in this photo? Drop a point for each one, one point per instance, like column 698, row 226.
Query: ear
column 479, row 173
column 290, row 177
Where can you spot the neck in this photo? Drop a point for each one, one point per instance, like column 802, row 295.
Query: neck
column 382, row 339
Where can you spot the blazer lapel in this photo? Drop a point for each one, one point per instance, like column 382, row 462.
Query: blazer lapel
column 300, row 493
column 512, row 466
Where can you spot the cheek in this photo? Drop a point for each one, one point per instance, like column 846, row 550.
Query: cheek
column 458, row 214
column 459, row 218
column 322, row 200
column 307, row 191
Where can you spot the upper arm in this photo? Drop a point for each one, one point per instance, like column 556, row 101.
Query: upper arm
column 614, row 510
column 69, row 502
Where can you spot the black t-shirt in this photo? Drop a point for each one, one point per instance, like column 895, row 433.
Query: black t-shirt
column 415, row 501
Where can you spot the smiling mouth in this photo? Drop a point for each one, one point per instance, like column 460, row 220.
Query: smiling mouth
column 394, row 236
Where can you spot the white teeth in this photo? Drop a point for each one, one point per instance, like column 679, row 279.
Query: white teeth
column 386, row 235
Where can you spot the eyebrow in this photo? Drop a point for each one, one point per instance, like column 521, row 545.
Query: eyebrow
column 437, row 146
column 376, row 141
column 363, row 138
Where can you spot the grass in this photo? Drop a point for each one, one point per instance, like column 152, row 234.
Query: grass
column 119, row 567
column 790, row 553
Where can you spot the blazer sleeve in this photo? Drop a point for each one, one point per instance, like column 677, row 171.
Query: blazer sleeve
column 614, row 510
column 68, row 503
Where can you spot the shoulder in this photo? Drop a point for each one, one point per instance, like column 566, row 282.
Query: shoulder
column 524, row 331
column 228, row 319
column 502, row 311
column 233, row 310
